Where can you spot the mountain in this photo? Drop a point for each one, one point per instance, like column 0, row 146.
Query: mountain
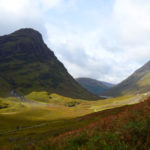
column 94, row 86
column 138, row 82
column 110, row 85
column 27, row 65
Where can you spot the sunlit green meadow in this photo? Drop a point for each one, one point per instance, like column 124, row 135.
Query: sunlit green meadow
column 43, row 114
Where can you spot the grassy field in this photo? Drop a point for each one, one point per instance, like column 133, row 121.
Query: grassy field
column 123, row 128
column 42, row 116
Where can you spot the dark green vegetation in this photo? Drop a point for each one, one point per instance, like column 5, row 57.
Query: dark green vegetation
column 72, row 104
column 138, row 82
column 27, row 65
column 94, row 86
column 43, row 116
column 124, row 128
column 51, row 116
column 3, row 105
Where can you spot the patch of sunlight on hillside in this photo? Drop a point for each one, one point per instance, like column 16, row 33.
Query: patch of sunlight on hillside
column 43, row 106
column 145, row 80
column 51, row 98
column 113, row 102
column 13, row 105
column 38, row 96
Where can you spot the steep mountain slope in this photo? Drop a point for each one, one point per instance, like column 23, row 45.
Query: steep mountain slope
column 94, row 86
column 138, row 82
column 27, row 65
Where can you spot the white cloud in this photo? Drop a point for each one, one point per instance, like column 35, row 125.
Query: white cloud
column 82, row 53
column 19, row 14
column 132, row 19
column 111, row 52
column 48, row 4
column 106, row 46
column 59, row 4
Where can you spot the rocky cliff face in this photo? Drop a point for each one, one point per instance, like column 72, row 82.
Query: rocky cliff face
column 27, row 65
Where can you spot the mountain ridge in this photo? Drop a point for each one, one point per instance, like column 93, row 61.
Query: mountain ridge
column 93, row 85
column 138, row 82
column 27, row 65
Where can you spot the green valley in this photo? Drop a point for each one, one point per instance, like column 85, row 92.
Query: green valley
column 34, row 119
column 31, row 121
column 42, row 107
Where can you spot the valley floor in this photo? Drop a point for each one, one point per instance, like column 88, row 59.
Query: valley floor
column 23, row 124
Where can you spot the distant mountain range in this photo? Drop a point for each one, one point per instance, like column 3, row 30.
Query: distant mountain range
column 27, row 65
column 110, row 85
column 94, row 86
column 138, row 82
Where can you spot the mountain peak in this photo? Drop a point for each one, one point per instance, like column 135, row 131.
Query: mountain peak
column 28, row 32
column 28, row 65
column 27, row 42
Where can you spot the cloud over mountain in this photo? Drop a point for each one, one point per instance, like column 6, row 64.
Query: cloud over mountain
column 98, row 39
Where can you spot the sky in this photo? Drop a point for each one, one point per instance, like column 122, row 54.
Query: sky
column 102, row 39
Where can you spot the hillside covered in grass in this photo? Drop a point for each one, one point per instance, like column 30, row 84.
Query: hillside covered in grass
column 125, row 128
column 28, row 65
column 55, row 112
column 60, row 123
column 138, row 82
column 94, row 86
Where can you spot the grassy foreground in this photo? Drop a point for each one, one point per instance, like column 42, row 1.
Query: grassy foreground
column 43, row 119
column 126, row 128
